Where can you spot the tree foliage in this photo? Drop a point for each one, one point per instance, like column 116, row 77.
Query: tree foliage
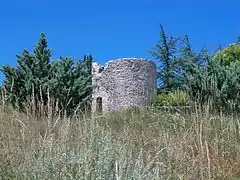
column 36, row 80
column 228, row 55
column 165, row 53
column 177, row 62
column 70, row 83
column 205, row 77
column 217, row 84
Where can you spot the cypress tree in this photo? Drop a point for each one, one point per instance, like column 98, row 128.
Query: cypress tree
column 36, row 79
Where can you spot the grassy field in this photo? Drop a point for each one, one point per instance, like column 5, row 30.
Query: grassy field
column 129, row 145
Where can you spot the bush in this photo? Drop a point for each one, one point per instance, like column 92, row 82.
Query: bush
column 176, row 98
column 230, row 54
column 218, row 85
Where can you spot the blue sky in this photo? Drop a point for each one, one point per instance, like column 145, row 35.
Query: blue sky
column 113, row 29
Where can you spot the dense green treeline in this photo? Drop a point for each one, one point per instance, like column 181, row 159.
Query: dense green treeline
column 202, row 76
column 37, row 82
column 64, row 84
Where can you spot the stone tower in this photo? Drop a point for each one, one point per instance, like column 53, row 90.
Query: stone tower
column 123, row 83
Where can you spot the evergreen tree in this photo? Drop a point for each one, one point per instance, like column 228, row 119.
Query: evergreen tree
column 70, row 83
column 190, row 63
column 165, row 53
column 34, row 72
column 36, row 80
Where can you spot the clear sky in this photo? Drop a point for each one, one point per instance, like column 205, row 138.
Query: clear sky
column 110, row 29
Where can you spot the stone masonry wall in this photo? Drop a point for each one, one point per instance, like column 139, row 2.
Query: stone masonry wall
column 124, row 83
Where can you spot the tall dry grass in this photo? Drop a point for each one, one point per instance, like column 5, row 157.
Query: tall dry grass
column 138, row 144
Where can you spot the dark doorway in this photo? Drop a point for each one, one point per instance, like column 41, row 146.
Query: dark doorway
column 99, row 106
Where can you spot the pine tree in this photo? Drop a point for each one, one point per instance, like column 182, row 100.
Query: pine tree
column 165, row 53
column 71, row 83
column 28, row 81
column 190, row 62
column 36, row 79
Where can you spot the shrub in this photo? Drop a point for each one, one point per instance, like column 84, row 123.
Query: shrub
column 230, row 54
column 218, row 85
column 176, row 98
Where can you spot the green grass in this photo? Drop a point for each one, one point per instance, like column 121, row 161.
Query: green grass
column 140, row 145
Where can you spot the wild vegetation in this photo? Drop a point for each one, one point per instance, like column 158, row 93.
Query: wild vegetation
column 140, row 144
column 36, row 79
column 191, row 131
